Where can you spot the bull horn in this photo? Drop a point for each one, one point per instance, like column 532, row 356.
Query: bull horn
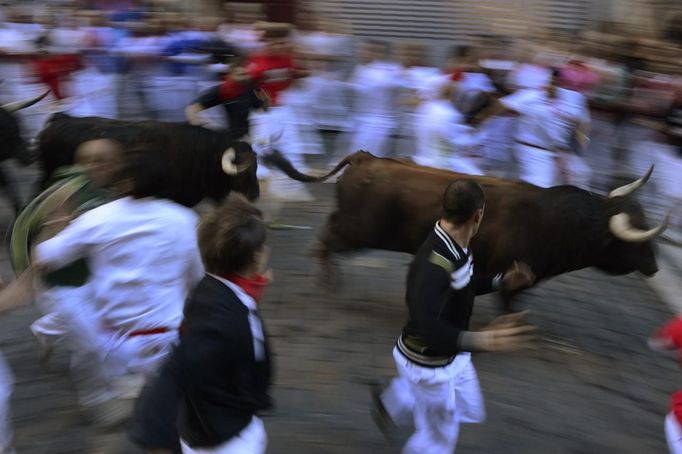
column 632, row 187
column 18, row 105
column 227, row 162
column 228, row 165
column 620, row 227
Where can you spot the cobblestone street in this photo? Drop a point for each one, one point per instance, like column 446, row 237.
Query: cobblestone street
column 591, row 387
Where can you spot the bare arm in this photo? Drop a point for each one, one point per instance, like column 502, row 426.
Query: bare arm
column 19, row 292
column 193, row 114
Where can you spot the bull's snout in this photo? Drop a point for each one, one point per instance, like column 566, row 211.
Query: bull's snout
column 649, row 269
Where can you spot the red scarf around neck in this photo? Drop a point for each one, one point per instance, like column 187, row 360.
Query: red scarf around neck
column 252, row 286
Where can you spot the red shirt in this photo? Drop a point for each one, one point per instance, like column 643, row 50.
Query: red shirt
column 52, row 69
column 676, row 406
column 272, row 73
column 671, row 335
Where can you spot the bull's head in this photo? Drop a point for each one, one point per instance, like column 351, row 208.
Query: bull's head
column 240, row 162
column 628, row 245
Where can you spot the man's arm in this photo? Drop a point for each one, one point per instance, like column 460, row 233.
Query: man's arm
column 518, row 276
column 19, row 292
column 67, row 246
column 206, row 100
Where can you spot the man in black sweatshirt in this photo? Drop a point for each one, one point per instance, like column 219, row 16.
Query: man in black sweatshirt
column 437, row 387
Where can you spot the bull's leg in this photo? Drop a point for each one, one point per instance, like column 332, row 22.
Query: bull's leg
column 330, row 243
column 329, row 276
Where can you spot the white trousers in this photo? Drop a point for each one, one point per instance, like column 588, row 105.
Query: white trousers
column 251, row 440
column 372, row 133
column 104, row 365
column 459, row 164
column 673, row 434
column 578, row 173
column 436, row 400
column 537, row 166
column 6, row 385
column 94, row 94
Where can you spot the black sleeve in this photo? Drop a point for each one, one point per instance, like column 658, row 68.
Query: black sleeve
column 255, row 102
column 428, row 292
column 209, row 98
column 487, row 284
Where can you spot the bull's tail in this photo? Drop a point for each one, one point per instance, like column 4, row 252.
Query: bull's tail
column 278, row 160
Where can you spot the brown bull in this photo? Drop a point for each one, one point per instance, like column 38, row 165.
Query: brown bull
column 392, row 205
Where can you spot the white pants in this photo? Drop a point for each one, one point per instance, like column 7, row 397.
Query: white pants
column 372, row 134
column 459, row 164
column 537, row 166
column 94, row 94
column 496, row 136
column 104, row 365
column 673, row 434
column 6, row 384
column 251, row 440
column 437, row 400
column 578, row 172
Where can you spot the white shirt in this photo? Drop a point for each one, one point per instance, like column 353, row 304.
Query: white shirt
column 544, row 122
column 424, row 81
column 442, row 132
column 143, row 257
column 528, row 75
column 375, row 87
column 475, row 82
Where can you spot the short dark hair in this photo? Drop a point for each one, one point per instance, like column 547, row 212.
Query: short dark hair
column 148, row 169
column 461, row 200
column 231, row 235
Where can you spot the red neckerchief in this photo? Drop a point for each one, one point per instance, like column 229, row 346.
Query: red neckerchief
column 252, row 286
column 456, row 75
column 231, row 89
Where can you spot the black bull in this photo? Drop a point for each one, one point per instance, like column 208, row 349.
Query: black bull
column 195, row 156
column 392, row 205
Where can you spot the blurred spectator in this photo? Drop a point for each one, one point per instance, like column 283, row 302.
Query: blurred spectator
column 52, row 69
column 274, row 71
column 237, row 94
column 322, row 53
column 443, row 139
column 577, row 76
column 375, row 82
column 529, row 72
column 238, row 27
column 142, row 53
column 418, row 84
column 548, row 118
column 472, row 85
